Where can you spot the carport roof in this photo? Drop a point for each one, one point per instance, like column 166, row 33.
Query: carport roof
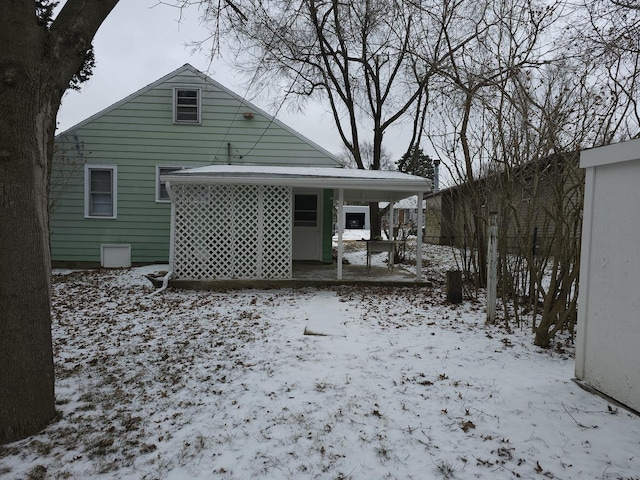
column 358, row 185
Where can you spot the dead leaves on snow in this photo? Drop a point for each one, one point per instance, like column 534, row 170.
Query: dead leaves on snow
column 466, row 426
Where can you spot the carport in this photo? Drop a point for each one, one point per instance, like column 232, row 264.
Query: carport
column 237, row 221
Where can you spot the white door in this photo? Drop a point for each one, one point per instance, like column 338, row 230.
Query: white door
column 307, row 225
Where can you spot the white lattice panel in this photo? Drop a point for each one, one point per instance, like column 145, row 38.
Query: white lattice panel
column 276, row 215
column 232, row 231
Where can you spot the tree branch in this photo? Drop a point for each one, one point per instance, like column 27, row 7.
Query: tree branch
column 71, row 35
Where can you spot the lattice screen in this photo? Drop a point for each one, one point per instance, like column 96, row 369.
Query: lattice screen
column 232, row 231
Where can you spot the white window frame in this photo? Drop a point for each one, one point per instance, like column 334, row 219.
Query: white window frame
column 198, row 106
column 159, row 182
column 88, row 168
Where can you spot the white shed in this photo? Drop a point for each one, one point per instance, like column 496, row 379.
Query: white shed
column 356, row 217
column 608, row 340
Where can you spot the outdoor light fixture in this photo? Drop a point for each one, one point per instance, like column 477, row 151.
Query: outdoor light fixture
column 248, row 115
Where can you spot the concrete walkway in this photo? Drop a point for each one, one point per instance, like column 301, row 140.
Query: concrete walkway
column 303, row 271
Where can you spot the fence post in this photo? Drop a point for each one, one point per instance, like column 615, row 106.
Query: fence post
column 492, row 267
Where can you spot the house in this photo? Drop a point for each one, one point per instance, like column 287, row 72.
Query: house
column 185, row 171
column 405, row 215
column 109, row 205
column 608, row 304
column 529, row 199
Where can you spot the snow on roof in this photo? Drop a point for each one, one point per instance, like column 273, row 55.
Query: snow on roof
column 357, row 185
column 277, row 175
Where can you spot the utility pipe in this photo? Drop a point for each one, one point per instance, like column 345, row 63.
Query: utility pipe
column 169, row 274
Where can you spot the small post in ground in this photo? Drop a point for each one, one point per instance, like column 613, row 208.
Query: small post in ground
column 454, row 286
column 492, row 267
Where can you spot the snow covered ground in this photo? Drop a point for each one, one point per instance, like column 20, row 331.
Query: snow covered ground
column 394, row 383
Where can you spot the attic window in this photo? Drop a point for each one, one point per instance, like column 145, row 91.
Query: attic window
column 186, row 105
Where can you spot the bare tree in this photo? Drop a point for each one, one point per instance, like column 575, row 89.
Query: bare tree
column 358, row 56
column 605, row 34
column 588, row 99
column 367, row 155
column 538, row 122
column 39, row 59
column 505, row 42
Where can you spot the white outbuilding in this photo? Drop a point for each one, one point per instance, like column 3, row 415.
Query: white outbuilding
column 608, row 339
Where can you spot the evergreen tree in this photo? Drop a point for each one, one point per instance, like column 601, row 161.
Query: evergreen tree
column 416, row 162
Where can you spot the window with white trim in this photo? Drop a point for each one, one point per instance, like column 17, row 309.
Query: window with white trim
column 186, row 105
column 161, row 189
column 100, row 191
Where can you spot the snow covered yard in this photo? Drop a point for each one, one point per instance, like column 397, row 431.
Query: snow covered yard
column 211, row 385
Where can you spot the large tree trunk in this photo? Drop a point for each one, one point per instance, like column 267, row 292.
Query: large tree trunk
column 37, row 61
column 375, row 221
column 26, row 358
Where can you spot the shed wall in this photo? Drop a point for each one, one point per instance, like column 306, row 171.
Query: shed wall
column 609, row 306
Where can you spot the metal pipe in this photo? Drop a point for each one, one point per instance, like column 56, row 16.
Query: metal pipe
column 436, row 175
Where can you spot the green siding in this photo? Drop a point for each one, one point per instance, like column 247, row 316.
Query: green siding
column 138, row 134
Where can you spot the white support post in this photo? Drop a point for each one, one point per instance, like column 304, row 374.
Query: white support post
column 492, row 270
column 392, row 236
column 340, row 230
column 419, row 238
column 392, row 207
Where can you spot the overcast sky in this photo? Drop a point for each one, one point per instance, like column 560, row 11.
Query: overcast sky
column 142, row 41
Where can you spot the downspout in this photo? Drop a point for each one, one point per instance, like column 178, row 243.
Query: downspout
column 169, row 274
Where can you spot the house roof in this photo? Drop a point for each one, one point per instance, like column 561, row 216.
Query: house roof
column 547, row 165
column 358, row 185
column 205, row 79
